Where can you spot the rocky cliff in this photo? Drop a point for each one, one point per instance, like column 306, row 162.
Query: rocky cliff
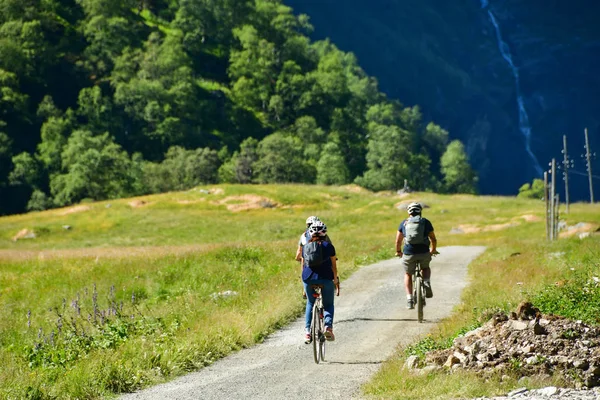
column 509, row 78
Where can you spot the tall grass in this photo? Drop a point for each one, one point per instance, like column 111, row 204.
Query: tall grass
column 519, row 265
column 135, row 294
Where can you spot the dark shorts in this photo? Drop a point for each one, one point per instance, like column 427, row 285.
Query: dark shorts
column 409, row 262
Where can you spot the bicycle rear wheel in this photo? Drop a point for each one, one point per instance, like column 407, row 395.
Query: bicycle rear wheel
column 420, row 297
column 322, row 339
column 314, row 331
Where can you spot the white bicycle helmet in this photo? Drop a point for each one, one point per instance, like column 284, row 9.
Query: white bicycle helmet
column 414, row 208
column 311, row 220
column 318, row 228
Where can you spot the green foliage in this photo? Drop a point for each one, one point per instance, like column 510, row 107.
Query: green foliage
column 387, row 158
column 240, row 168
column 332, row 169
column 92, row 167
column 423, row 346
column 182, row 169
column 39, row 201
column 194, row 74
column 568, row 298
column 26, row 170
column 281, row 160
column 535, row 190
column 459, row 177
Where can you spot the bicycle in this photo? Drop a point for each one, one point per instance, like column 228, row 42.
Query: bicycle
column 418, row 286
column 317, row 326
column 418, row 291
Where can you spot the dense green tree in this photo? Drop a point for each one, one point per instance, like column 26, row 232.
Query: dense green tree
column 39, row 201
column 107, row 98
column 534, row 190
column 459, row 177
column 435, row 138
column 240, row 168
column 281, row 160
column 332, row 168
column 388, row 158
column 26, row 170
column 182, row 169
column 311, row 136
column 157, row 91
column 252, row 69
column 92, row 167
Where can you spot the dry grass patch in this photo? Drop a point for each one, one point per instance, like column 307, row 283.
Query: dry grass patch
column 530, row 218
column 191, row 201
column 582, row 227
column 355, row 189
column 216, row 191
column 24, row 234
column 138, row 203
column 105, row 252
column 73, row 210
column 246, row 202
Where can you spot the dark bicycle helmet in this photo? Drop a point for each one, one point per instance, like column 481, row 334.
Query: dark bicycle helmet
column 414, row 208
column 318, row 228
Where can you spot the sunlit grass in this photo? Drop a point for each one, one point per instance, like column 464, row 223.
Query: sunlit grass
column 177, row 251
column 516, row 267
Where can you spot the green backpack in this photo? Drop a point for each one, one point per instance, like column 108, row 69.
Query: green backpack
column 415, row 230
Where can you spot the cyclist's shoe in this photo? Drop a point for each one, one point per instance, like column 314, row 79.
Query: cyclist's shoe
column 307, row 338
column 428, row 291
column 329, row 334
column 410, row 304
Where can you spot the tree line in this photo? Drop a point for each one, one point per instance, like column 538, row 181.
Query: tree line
column 103, row 99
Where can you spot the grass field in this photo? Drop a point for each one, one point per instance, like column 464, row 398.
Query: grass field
column 137, row 291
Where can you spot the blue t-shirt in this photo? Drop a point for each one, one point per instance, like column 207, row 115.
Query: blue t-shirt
column 323, row 271
column 417, row 248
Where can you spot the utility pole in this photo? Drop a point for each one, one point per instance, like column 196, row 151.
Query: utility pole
column 589, row 165
column 547, row 201
column 556, row 218
column 553, row 199
column 566, row 172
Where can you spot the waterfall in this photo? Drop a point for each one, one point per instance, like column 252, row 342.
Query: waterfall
column 524, row 126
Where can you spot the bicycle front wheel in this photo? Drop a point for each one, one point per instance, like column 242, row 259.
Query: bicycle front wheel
column 420, row 298
column 314, row 331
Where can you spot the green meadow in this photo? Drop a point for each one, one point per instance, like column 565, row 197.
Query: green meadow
column 113, row 296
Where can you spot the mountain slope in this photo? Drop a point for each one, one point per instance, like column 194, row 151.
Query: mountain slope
column 446, row 57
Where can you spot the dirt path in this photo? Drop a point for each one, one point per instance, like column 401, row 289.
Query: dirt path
column 370, row 321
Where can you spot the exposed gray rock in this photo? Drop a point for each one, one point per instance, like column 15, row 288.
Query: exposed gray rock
column 567, row 349
column 412, row 362
column 547, row 391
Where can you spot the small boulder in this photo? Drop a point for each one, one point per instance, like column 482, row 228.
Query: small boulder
column 412, row 362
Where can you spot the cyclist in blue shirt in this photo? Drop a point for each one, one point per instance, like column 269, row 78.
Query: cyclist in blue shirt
column 325, row 275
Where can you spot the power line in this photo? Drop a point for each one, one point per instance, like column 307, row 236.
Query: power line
column 572, row 171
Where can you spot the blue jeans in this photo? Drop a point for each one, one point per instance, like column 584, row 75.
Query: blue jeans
column 327, row 293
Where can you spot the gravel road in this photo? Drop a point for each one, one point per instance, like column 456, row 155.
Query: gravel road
column 370, row 322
